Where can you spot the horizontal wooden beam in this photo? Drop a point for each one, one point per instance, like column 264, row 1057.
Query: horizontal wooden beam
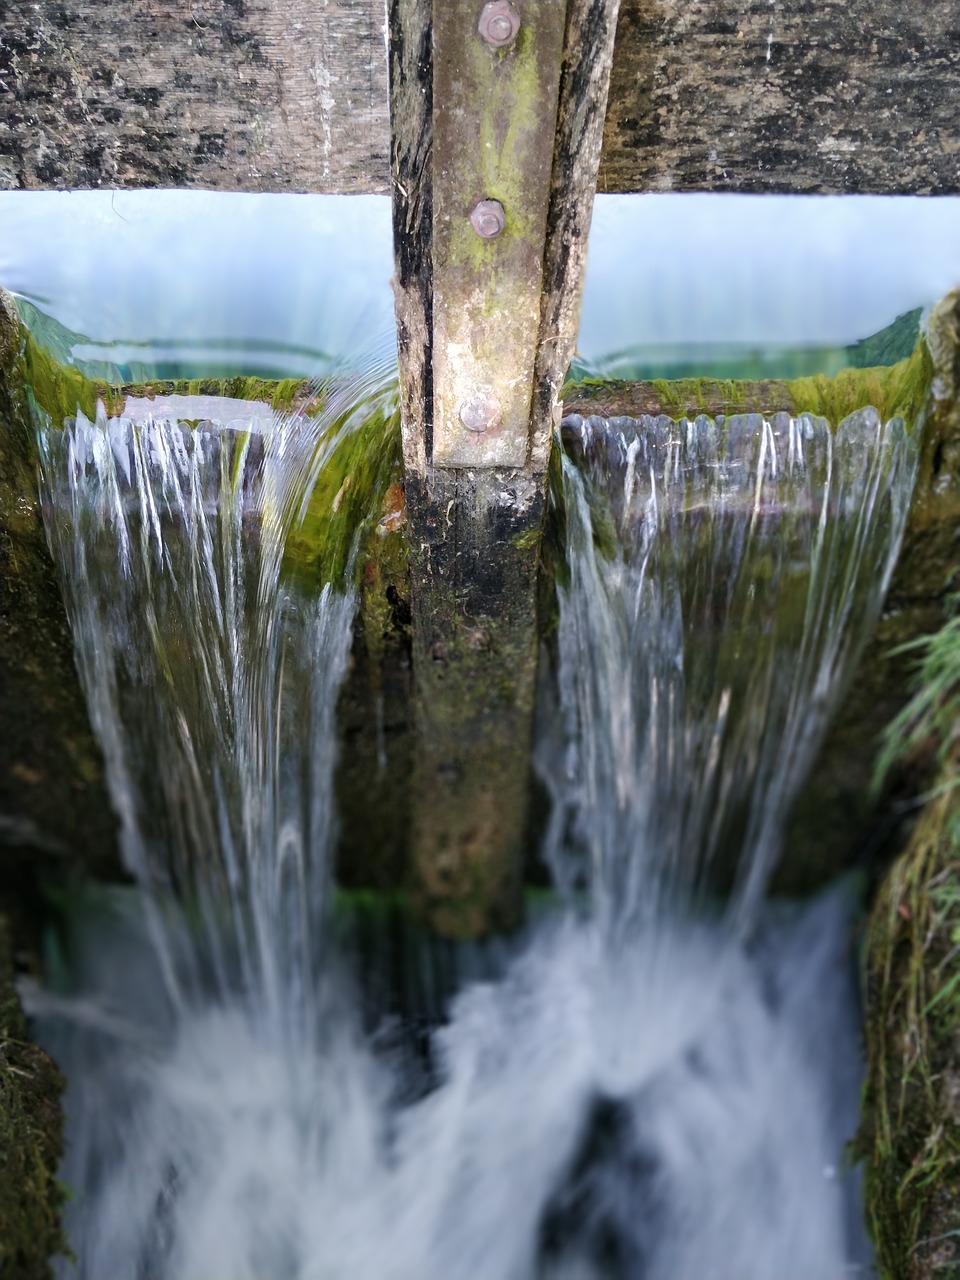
column 252, row 95
column 784, row 95
column 241, row 95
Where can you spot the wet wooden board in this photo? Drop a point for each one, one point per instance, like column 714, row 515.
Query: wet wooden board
column 252, row 95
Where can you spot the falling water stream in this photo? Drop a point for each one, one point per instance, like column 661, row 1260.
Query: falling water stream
column 657, row 1078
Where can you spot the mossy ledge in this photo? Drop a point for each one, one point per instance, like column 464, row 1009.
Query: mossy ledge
column 897, row 389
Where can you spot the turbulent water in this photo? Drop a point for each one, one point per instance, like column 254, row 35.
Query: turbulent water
column 645, row 1083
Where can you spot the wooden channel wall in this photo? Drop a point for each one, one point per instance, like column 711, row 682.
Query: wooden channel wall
column 258, row 95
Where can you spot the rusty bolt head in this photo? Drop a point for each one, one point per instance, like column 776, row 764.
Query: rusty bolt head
column 499, row 23
column 480, row 413
column 488, row 219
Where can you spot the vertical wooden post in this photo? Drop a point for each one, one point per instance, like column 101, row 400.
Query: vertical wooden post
column 504, row 136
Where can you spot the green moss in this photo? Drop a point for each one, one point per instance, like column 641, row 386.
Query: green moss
column 894, row 390
column 736, row 396
column 358, row 459
column 898, row 390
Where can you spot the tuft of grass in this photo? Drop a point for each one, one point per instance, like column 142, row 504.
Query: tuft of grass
column 911, row 1133
column 933, row 713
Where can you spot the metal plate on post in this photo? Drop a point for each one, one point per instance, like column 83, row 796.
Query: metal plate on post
column 495, row 90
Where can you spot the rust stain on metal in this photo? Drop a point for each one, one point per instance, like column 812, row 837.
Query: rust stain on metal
column 494, row 121
column 488, row 219
column 499, row 23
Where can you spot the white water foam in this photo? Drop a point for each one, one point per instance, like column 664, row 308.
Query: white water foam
column 670, row 1114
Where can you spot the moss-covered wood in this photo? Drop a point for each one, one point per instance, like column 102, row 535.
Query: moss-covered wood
column 899, row 388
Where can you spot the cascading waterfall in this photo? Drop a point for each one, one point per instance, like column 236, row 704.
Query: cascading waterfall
column 648, row 1084
column 212, row 683
column 724, row 576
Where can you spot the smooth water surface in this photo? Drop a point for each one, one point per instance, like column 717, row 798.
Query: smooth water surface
column 190, row 283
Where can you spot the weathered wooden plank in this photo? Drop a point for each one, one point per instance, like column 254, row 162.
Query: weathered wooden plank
column 587, row 56
column 411, row 106
column 473, row 597
column 784, row 95
column 248, row 95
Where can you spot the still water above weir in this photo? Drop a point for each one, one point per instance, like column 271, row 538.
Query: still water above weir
column 215, row 284
column 657, row 1077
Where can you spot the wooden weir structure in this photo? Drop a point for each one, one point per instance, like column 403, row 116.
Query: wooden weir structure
column 490, row 125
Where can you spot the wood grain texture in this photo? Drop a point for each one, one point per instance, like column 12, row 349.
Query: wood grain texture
column 784, row 95
column 251, row 95
column 588, row 50
column 248, row 95
column 411, row 109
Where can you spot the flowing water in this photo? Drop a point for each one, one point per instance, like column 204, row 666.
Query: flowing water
column 657, row 1078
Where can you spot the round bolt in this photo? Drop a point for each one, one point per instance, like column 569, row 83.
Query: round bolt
column 480, row 413
column 499, row 23
column 488, row 219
